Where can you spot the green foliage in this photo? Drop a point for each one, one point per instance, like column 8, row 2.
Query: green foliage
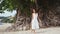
column 14, row 4
column 6, row 4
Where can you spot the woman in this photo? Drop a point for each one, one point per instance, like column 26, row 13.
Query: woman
column 34, row 22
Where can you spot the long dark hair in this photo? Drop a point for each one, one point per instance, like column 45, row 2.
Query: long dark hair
column 34, row 10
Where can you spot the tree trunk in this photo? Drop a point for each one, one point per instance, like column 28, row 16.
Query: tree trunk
column 22, row 22
column 36, row 5
column 38, row 10
column 18, row 14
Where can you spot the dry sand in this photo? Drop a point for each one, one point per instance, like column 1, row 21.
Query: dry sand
column 51, row 30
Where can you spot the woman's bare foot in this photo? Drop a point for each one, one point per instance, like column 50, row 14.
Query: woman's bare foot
column 33, row 31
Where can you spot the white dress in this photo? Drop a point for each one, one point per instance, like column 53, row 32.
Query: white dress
column 34, row 22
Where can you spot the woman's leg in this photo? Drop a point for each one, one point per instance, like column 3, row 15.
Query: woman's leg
column 33, row 30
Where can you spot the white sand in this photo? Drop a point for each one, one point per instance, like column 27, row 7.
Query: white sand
column 51, row 30
column 4, row 26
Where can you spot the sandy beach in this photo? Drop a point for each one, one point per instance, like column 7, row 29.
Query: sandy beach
column 50, row 30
